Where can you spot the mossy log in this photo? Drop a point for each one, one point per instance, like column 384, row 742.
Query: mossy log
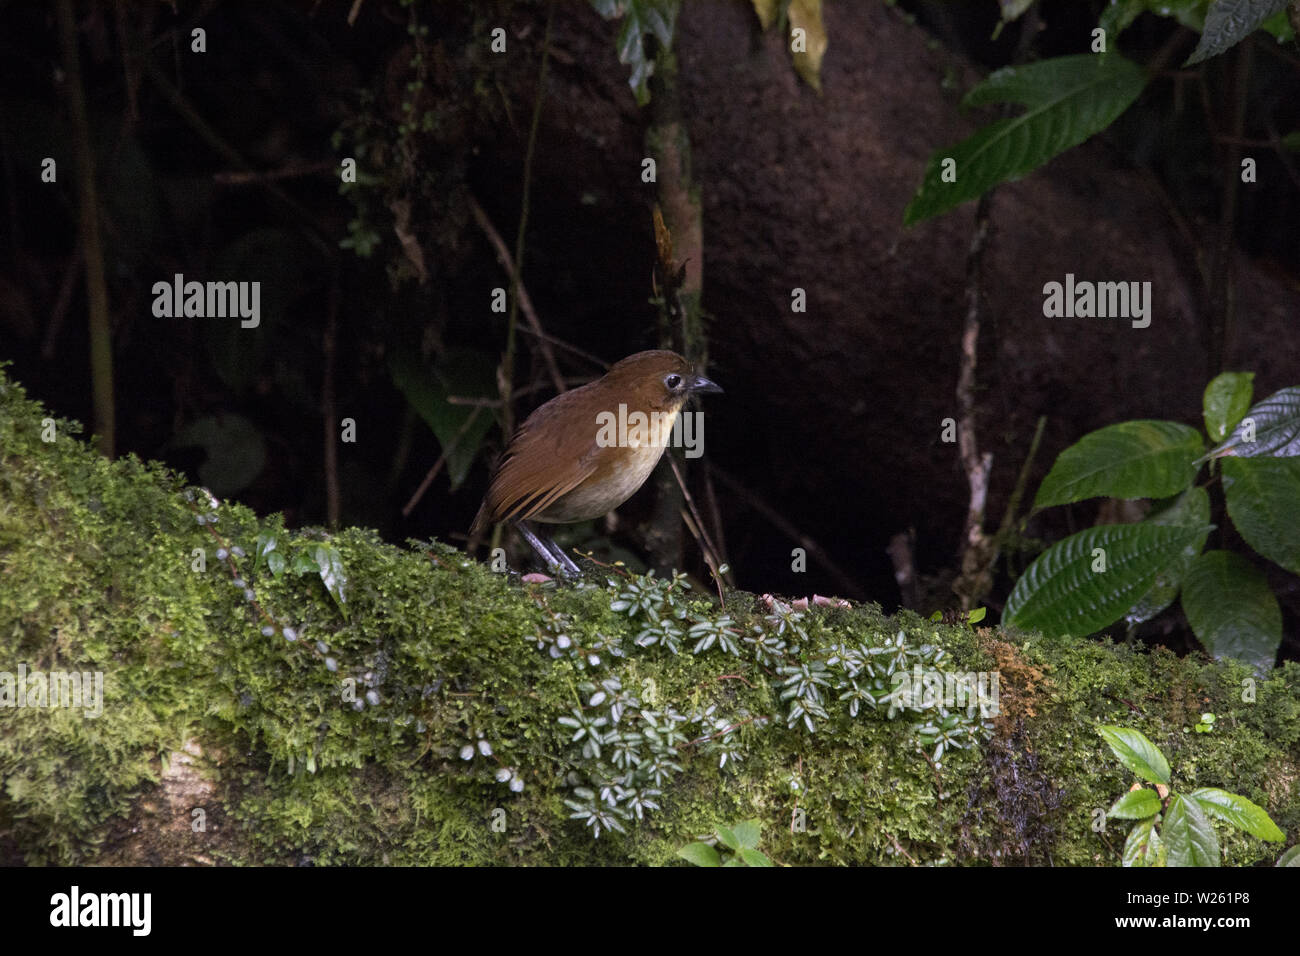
column 422, row 709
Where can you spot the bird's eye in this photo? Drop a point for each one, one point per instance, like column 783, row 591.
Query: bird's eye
column 673, row 381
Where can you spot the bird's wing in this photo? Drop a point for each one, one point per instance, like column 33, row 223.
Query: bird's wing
column 541, row 466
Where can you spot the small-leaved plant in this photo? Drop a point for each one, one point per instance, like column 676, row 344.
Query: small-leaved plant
column 1175, row 829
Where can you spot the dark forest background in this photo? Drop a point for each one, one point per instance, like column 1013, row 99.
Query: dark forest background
column 376, row 295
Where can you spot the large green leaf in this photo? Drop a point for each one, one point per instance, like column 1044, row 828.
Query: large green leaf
column 1137, row 459
column 1191, row 509
column 1263, row 497
column 286, row 266
column 1239, row 812
column 1067, row 100
column 1137, row 753
column 236, row 451
column 1231, row 609
column 1270, row 428
column 1136, row 805
column 1189, row 834
column 1228, row 22
column 460, row 373
column 1226, row 399
column 1060, row 593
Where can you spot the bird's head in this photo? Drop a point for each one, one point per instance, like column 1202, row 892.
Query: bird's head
column 656, row 380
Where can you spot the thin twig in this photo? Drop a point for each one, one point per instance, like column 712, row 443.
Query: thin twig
column 975, row 579
column 715, row 512
column 329, row 410
column 900, row 553
column 244, row 177
column 1195, row 249
column 507, row 374
column 101, row 337
column 64, row 300
column 130, row 70
column 569, row 347
column 710, row 550
column 899, row 848
column 1222, row 278
column 709, row 558
column 314, row 232
column 437, row 465
column 783, row 524
column 1013, row 505
column 520, row 291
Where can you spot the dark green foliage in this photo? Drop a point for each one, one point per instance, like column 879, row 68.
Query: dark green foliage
column 1134, row 571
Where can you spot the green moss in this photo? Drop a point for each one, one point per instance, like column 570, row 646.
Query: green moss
column 98, row 563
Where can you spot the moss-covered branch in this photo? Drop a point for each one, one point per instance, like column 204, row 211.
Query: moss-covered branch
column 354, row 702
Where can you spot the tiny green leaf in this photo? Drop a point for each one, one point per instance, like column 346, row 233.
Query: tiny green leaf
column 753, row 857
column 266, row 543
column 332, row 575
column 1225, row 401
column 275, row 562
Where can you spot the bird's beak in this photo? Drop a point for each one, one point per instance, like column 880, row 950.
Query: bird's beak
column 702, row 384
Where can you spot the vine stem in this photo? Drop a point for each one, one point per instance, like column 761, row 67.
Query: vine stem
column 101, row 336
column 507, row 373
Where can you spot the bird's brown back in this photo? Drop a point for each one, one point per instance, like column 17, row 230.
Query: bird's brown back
column 555, row 450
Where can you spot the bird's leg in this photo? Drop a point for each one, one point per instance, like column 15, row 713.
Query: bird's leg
column 550, row 553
